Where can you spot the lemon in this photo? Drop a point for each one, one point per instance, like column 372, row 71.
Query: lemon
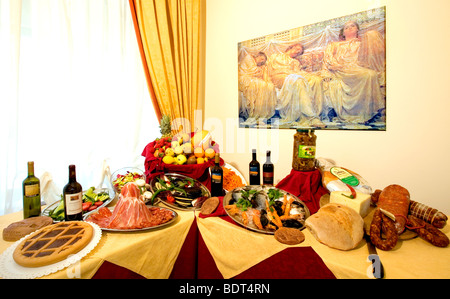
column 181, row 159
column 199, row 152
column 188, row 148
column 186, row 137
column 178, row 150
column 169, row 152
column 168, row 159
column 210, row 153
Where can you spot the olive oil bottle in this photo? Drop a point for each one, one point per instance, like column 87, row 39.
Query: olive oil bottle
column 31, row 194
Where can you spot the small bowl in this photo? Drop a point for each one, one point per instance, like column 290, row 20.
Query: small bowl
column 124, row 171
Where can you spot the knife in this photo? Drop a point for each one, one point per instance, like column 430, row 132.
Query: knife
column 377, row 266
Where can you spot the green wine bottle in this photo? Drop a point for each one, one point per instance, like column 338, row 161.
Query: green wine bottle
column 31, row 194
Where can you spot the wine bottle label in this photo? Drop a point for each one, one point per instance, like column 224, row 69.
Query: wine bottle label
column 74, row 203
column 254, row 170
column 268, row 175
column 216, row 177
column 31, row 190
column 306, row 151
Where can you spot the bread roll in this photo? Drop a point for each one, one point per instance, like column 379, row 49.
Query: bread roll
column 336, row 226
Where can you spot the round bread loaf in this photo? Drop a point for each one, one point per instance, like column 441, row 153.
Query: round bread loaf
column 336, row 226
column 17, row 230
column 210, row 205
column 289, row 235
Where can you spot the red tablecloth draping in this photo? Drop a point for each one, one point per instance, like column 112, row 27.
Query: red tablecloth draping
column 292, row 262
column 155, row 166
column 307, row 186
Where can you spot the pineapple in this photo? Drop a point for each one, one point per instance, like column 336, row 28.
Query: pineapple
column 165, row 126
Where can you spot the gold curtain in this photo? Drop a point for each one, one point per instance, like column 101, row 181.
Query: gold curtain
column 168, row 33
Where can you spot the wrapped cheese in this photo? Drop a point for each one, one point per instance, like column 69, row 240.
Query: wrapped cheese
column 336, row 178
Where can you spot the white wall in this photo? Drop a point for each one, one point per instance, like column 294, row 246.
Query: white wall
column 414, row 151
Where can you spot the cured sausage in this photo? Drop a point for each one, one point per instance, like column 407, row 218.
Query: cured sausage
column 383, row 224
column 430, row 215
column 428, row 232
column 395, row 199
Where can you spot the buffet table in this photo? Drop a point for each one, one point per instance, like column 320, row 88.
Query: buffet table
column 215, row 247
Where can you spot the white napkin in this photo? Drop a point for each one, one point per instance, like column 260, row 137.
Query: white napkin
column 49, row 191
column 106, row 173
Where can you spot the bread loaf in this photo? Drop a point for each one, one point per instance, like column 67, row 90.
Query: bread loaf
column 17, row 230
column 289, row 235
column 210, row 205
column 336, row 226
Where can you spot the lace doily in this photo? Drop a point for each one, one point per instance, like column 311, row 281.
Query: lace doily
column 10, row 269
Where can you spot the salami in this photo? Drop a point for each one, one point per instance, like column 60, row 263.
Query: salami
column 382, row 224
column 428, row 232
column 430, row 215
column 395, row 199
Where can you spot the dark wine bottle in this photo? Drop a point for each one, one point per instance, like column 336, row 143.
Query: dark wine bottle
column 216, row 177
column 31, row 194
column 73, row 197
column 268, row 171
column 254, row 170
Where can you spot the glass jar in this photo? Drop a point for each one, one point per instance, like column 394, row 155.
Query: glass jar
column 304, row 150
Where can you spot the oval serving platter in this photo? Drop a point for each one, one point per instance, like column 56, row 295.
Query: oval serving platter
column 175, row 217
column 180, row 202
column 233, row 197
column 52, row 206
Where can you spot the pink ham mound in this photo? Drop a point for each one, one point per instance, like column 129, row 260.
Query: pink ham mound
column 129, row 213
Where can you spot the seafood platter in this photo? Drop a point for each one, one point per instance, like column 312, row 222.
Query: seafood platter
column 179, row 191
column 264, row 208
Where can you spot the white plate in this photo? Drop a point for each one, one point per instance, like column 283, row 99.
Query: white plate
column 228, row 166
column 10, row 269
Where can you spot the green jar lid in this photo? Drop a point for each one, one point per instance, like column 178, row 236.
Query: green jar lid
column 305, row 130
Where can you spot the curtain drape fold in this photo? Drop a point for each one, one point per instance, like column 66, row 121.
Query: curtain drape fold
column 168, row 34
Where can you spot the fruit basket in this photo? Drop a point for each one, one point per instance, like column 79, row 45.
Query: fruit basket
column 189, row 154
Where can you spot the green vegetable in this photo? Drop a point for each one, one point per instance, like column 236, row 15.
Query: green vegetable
column 156, row 193
column 91, row 196
column 58, row 213
column 274, row 194
column 243, row 204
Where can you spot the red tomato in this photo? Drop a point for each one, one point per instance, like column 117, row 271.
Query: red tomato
column 86, row 205
column 170, row 199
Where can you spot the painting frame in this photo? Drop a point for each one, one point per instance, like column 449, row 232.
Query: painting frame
column 329, row 75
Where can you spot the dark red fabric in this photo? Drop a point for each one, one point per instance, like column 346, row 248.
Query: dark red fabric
column 112, row 271
column 307, row 186
column 196, row 262
column 155, row 166
column 185, row 266
column 290, row 263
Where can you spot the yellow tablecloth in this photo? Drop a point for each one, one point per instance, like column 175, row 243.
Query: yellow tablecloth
column 235, row 249
column 151, row 253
